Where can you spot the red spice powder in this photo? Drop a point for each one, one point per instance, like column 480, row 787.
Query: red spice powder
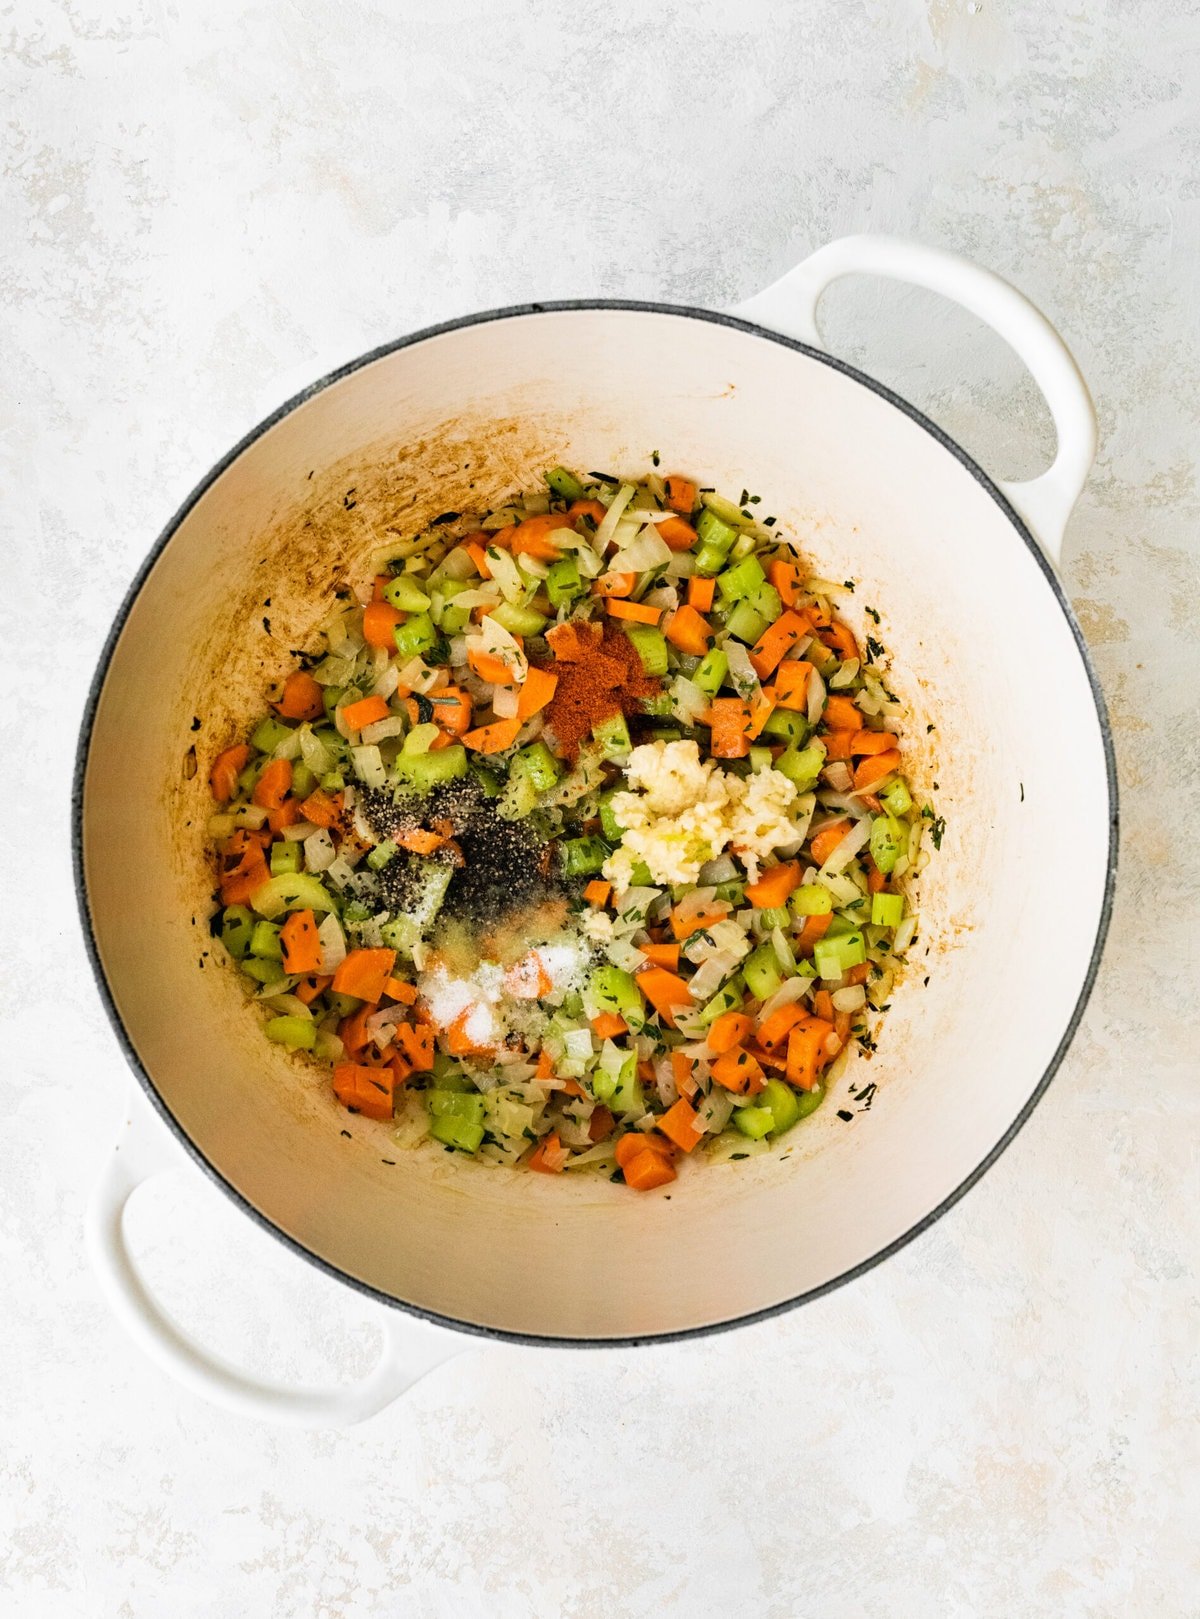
column 606, row 679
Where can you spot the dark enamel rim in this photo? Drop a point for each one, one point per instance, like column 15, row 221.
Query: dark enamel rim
column 479, row 319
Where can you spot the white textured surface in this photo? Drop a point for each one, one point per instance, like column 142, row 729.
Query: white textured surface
column 206, row 206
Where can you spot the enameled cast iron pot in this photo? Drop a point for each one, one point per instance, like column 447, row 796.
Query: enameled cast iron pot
column 961, row 569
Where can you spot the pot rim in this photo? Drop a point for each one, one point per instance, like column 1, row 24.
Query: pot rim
column 83, row 748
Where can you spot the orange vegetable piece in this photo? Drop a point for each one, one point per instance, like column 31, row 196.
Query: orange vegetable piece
column 827, row 840
column 689, row 630
column 452, row 710
column 365, row 712
column 806, row 1053
column 648, row 1170
column 494, row 738
column 777, row 640
column 633, row 1143
column 773, row 1031
column 738, row 1071
column 365, row 1090
column 226, row 768
column 791, row 683
column 475, row 549
column 600, row 1124
column 417, row 1045
column 322, row 808
column 728, row 1031
column 530, row 538
column 488, row 667
column 839, row 639
column 309, row 988
column 837, row 745
column 876, row 767
column 775, row 884
column 661, row 955
column 287, row 814
column 681, row 494
column 587, row 508
column 841, row 714
column 239, row 885
column 700, row 592
column 762, row 706
column 729, row 718
column 678, row 1124
column 683, row 1068
column 614, row 584
column 545, row 1065
column 301, row 947
column 380, row 618
column 352, row 1030
column 418, row 841
column 597, row 891
column 815, row 927
column 378, row 585
column 537, row 1158
column 275, row 783
column 634, row 612
column 683, row 927
column 864, row 742
column 568, row 645
column 609, row 1025
column 397, row 990
column 678, row 534
column 536, row 692
column 302, row 698
column 788, row 579
column 364, row 973
column 664, row 990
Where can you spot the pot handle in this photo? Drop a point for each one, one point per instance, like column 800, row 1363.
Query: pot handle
column 789, row 306
column 410, row 1347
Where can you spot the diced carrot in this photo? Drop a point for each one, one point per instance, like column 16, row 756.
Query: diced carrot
column 572, row 1087
column 700, row 592
column 664, row 990
column 773, row 1031
column 488, row 667
column 352, row 1030
column 418, row 841
column 302, row 698
column 839, row 639
column 678, row 534
column 494, row 738
column 597, row 891
column 695, row 922
column 728, row 1030
column 634, row 612
column 451, row 710
column 226, row 768
column 815, row 928
column 776, row 641
column 275, row 783
column 681, row 493
column 460, row 1041
column 729, row 718
column 791, row 683
column 823, row 1006
column 661, row 955
column 365, row 712
column 568, row 644
column 609, row 1025
column 301, row 946
column 614, row 584
column 788, row 579
column 548, row 1145
column 858, row 974
column 864, row 742
column 738, row 1071
column 762, row 706
column 837, row 745
column 322, row 808
column 545, row 1065
column 600, row 1125
column 417, row 1045
column 827, row 840
column 311, row 986
column 530, row 538
column 478, row 555
column 365, row 1090
column 683, row 1068
column 240, row 885
column 689, row 630
column 875, row 768
column 287, row 814
column 841, row 714
column 364, row 973
column 633, row 1143
column 806, row 1054
column 648, row 1170
column 587, row 508
column 876, row 881
column 379, row 620
column 536, row 692
column 774, row 886
column 378, row 585
column 397, row 990
column 678, row 1124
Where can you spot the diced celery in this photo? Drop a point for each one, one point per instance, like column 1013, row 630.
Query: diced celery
column 518, row 620
column 713, row 534
column 889, row 839
column 834, row 955
column 563, row 583
column 285, row 857
column 611, row 989
column 754, row 1122
column 343, row 1005
column 582, row 856
column 462, row 1134
column 765, row 600
column 609, row 825
column 455, row 1104
column 745, row 623
column 294, row 891
column 519, row 797
column 450, row 619
column 786, row 723
column 659, row 707
column 743, row 579
column 781, row 1100
column 538, row 764
column 264, row 941
column 303, row 780
column 732, row 893
column 421, row 738
column 237, row 927
column 801, row 765
column 651, row 647
column 379, row 856
column 564, row 484
column 761, row 972
column 425, row 770
column 416, row 634
column 262, row 970
column 487, row 779
column 297, row 1033
column 727, row 999
column 809, row 1101
column 897, row 797
column 405, row 593
column 714, row 666
column 640, row 876
column 760, row 758
column 743, row 546
column 775, row 916
column 810, row 899
column 887, row 910
column 331, row 698
column 268, row 734
column 613, row 737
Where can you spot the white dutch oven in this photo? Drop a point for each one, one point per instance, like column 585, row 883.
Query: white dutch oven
column 987, row 653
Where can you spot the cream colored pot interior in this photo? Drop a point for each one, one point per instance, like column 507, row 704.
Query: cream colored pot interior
column 983, row 653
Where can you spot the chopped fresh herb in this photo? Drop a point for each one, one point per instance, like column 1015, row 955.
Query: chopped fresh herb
column 768, row 522
column 745, row 496
column 874, row 649
column 870, row 611
column 654, row 456
column 446, row 517
column 845, row 1115
column 848, row 584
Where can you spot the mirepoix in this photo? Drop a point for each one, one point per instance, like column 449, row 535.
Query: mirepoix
column 581, row 841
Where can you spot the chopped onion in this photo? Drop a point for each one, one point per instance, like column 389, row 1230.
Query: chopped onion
column 381, row 730
column 666, row 597
column 816, row 696
column 480, row 596
column 720, row 870
column 742, row 672
column 613, row 515
column 499, row 643
column 340, row 872
column 457, row 564
column 714, row 1112
column 681, row 566
column 698, row 901
column 386, row 681
column 319, row 852
column 333, row 944
column 845, row 674
column 647, row 551
column 314, row 752
column 905, row 934
column 848, row 803
column 505, row 702
column 844, row 852
column 687, row 700
column 506, row 574
column 793, row 989
column 368, row 766
column 707, row 979
column 838, row 776
column 578, row 1043
column 849, row 999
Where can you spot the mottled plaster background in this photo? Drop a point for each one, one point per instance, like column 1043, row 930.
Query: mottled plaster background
column 205, row 206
